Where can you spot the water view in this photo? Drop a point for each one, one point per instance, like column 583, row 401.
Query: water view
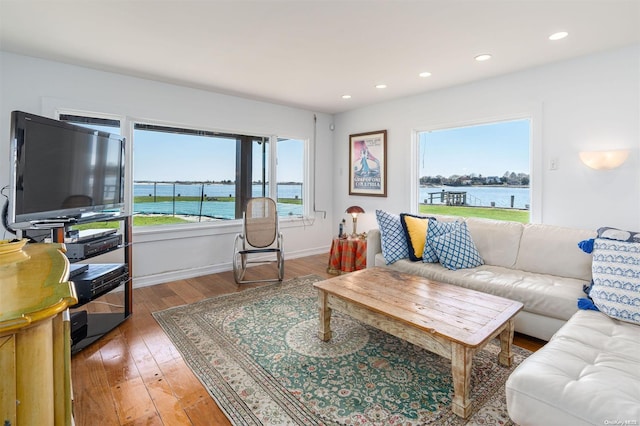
column 481, row 196
column 216, row 200
column 209, row 206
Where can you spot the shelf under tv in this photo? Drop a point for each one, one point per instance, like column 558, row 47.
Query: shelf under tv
column 99, row 324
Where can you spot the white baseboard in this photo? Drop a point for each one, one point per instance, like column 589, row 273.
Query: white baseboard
column 184, row 274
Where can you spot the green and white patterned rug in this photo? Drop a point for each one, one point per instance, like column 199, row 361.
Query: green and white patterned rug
column 258, row 354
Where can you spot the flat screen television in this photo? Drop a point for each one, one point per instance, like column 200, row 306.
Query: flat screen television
column 61, row 172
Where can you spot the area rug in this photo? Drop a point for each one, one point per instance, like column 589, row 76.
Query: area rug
column 258, row 355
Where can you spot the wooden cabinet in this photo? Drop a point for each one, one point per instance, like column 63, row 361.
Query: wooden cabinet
column 35, row 346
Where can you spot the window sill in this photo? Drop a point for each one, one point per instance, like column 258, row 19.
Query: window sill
column 200, row 229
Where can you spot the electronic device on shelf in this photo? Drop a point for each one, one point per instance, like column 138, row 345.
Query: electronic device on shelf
column 61, row 173
column 95, row 246
column 99, row 279
column 76, row 269
column 79, row 326
column 84, row 235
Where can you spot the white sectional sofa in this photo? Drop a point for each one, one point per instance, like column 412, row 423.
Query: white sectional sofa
column 589, row 371
column 588, row 374
column 538, row 265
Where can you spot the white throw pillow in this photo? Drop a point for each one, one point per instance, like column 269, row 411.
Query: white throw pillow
column 616, row 279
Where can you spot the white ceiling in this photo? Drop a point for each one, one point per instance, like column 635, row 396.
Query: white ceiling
column 308, row 53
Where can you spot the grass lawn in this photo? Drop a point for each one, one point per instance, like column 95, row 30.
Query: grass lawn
column 513, row 215
column 137, row 221
column 156, row 220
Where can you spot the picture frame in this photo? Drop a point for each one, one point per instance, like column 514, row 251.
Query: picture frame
column 368, row 164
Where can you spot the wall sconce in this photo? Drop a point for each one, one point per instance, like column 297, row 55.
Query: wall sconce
column 354, row 211
column 604, row 160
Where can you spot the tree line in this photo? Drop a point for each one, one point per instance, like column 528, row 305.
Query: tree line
column 508, row 178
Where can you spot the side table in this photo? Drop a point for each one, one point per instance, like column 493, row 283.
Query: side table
column 347, row 255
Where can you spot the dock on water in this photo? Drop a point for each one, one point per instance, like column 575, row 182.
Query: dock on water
column 450, row 198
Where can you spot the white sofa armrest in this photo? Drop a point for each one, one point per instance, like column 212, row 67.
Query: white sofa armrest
column 374, row 246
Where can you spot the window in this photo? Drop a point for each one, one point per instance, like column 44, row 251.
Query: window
column 290, row 173
column 479, row 170
column 187, row 175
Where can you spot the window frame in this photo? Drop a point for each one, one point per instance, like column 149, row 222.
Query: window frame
column 306, row 175
column 127, row 124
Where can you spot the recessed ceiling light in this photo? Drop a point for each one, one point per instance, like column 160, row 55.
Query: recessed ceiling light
column 483, row 57
column 381, row 86
column 558, row 36
column 346, row 96
column 425, row 74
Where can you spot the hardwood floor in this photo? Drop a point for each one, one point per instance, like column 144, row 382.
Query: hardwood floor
column 135, row 375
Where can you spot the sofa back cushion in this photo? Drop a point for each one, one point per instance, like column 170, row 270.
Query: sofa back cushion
column 548, row 249
column 497, row 241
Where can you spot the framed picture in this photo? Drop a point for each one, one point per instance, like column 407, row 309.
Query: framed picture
column 368, row 164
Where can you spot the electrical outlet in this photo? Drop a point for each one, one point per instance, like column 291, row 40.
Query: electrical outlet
column 553, row 164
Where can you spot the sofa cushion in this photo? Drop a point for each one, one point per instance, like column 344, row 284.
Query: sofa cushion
column 456, row 249
column 497, row 241
column 415, row 230
column 435, row 229
column 548, row 249
column 616, row 279
column 588, row 374
column 393, row 240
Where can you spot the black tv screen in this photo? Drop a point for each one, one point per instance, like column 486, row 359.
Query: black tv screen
column 62, row 171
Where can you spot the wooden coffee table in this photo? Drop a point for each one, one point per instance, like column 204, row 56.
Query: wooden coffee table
column 451, row 321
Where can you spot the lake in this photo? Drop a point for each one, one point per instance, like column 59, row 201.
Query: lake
column 480, row 196
column 212, row 209
column 483, row 196
column 210, row 190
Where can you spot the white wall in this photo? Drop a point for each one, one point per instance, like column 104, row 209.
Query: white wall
column 588, row 103
column 39, row 86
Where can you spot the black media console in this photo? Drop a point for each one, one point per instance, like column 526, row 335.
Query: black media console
column 93, row 280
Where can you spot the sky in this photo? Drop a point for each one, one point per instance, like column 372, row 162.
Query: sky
column 174, row 157
column 487, row 150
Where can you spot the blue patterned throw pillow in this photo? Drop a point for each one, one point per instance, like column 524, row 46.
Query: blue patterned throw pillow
column 434, row 230
column 456, row 250
column 616, row 279
column 392, row 237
